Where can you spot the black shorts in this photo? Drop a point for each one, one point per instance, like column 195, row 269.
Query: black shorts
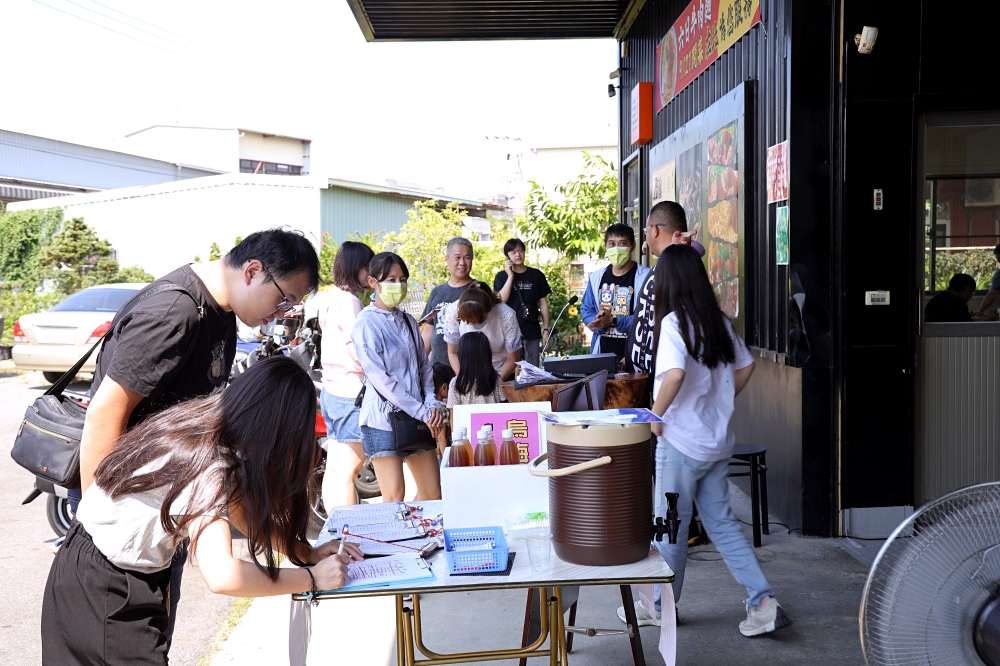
column 96, row 613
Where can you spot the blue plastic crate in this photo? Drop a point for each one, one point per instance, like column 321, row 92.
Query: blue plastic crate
column 475, row 550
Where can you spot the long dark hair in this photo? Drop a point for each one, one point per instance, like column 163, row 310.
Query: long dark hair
column 260, row 434
column 475, row 358
column 681, row 286
column 351, row 258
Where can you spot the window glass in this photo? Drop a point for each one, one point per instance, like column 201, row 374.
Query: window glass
column 95, row 300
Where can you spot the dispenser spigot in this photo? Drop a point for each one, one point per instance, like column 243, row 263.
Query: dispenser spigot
column 671, row 524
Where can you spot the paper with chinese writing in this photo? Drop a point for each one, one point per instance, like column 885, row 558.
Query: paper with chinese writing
column 386, row 571
column 777, row 172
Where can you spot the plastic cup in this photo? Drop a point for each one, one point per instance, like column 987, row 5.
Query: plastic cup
column 539, row 551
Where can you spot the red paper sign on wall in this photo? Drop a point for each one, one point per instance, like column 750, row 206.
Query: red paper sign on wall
column 703, row 32
column 642, row 114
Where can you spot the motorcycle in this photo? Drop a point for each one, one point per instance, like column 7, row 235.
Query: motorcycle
column 301, row 342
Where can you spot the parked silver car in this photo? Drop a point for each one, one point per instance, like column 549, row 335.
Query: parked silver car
column 54, row 340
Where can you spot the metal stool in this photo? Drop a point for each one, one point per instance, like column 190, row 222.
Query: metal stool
column 753, row 456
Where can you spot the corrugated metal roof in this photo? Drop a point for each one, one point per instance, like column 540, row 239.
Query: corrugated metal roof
column 36, row 158
column 13, row 189
column 415, row 20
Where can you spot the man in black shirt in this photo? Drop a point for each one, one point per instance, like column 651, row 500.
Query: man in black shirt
column 665, row 226
column 172, row 347
column 526, row 291
column 952, row 305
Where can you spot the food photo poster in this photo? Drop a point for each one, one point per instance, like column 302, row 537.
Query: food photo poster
column 705, row 158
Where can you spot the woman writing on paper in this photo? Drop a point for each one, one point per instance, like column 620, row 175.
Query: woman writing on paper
column 701, row 366
column 240, row 458
column 342, row 374
column 398, row 378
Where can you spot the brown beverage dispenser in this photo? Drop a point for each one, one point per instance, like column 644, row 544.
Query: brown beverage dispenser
column 601, row 493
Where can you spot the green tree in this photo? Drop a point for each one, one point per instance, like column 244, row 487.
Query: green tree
column 572, row 220
column 22, row 235
column 423, row 239
column 74, row 252
column 567, row 331
column 133, row 274
column 327, row 255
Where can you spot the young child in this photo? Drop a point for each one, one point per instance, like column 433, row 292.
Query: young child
column 701, row 366
column 443, row 374
column 477, row 382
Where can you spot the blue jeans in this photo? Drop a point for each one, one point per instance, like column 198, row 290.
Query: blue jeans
column 704, row 483
column 341, row 417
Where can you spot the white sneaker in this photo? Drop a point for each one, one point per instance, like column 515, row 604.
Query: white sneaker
column 641, row 614
column 765, row 620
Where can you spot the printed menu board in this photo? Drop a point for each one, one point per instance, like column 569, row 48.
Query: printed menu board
column 722, row 250
column 706, row 155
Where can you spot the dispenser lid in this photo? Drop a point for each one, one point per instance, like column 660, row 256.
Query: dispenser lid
column 597, row 435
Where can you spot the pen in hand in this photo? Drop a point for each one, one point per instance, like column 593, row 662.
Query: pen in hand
column 343, row 539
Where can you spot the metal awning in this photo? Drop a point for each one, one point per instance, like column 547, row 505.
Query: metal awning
column 15, row 189
column 440, row 20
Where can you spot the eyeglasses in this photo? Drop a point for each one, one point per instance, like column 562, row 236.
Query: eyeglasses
column 284, row 305
column 650, row 226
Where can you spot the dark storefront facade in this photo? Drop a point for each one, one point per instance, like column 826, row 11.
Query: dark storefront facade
column 892, row 157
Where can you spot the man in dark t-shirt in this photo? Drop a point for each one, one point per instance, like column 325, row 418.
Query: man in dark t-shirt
column 526, row 290
column 458, row 258
column 172, row 347
column 666, row 225
column 952, row 305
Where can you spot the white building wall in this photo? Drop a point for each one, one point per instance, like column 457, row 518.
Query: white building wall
column 277, row 149
column 162, row 227
column 554, row 166
column 200, row 146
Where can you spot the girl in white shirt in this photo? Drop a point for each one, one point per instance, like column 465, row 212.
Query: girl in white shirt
column 701, row 365
column 342, row 374
column 240, row 458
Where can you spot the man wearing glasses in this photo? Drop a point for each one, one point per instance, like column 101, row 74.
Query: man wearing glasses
column 174, row 346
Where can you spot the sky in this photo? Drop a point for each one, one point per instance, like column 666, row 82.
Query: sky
column 417, row 112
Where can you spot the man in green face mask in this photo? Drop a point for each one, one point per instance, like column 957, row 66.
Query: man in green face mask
column 610, row 298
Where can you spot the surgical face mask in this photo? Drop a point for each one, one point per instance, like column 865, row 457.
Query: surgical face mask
column 475, row 327
column 619, row 256
column 392, row 293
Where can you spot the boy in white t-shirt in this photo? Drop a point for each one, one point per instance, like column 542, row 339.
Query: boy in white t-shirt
column 701, row 365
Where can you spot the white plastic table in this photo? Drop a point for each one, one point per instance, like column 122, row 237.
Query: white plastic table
column 409, row 635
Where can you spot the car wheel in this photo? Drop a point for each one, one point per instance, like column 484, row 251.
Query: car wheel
column 52, row 377
column 366, row 484
column 59, row 514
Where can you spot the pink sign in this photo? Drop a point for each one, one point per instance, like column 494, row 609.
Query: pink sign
column 777, row 172
column 524, row 425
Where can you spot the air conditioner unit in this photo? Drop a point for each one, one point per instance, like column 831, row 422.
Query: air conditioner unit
column 982, row 192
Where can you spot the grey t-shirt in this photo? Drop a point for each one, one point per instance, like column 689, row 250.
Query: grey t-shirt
column 441, row 297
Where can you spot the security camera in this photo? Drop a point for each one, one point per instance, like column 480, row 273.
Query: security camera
column 611, row 90
column 866, row 39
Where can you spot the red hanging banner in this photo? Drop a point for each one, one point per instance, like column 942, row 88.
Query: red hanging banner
column 703, row 32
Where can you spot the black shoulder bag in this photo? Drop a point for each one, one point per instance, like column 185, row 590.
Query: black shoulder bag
column 410, row 435
column 48, row 442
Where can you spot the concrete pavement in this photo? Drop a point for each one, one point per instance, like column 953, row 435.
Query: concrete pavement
column 25, row 558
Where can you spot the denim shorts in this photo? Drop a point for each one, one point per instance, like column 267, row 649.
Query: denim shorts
column 341, row 417
column 380, row 444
